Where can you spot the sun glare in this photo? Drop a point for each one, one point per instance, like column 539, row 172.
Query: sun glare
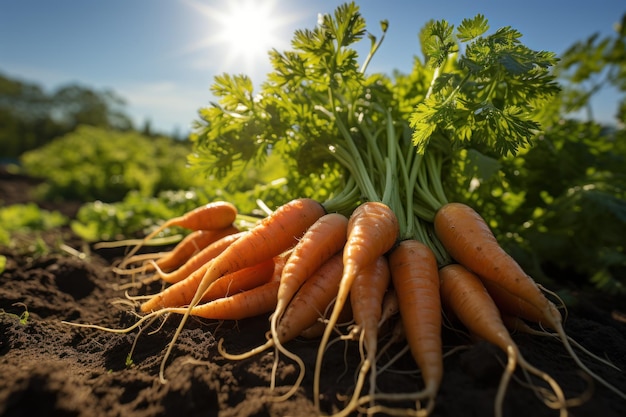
column 244, row 31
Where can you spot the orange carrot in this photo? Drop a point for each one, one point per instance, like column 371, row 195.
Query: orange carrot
column 372, row 231
column 191, row 244
column 242, row 305
column 390, row 306
column 240, row 281
column 273, row 235
column 416, row 281
column 217, row 215
column 320, row 242
column 187, row 278
column 463, row 292
column 181, row 293
column 250, row 303
column 468, row 239
column 366, row 299
column 200, row 260
column 305, row 308
column 310, row 302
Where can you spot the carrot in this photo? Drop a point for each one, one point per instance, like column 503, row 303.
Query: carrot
column 242, row 305
column 239, row 281
column 245, row 304
column 181, row 293
column 465, row 295
column 416, row 282
column 468, row 239
column 199, row 260
column 185, row 249
column 311, row 300
column 216, row 215
column 273, row 235
column 372, row 231
column 320, row 242
column 366, row 299
column 304, row 309
column 192, row 244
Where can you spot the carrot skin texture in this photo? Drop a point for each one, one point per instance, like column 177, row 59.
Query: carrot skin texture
column 366, row 300
column 275, row 234
column 254, row 302
column 216, row 215
column 372, row 231
column 239, row 281
column 311, row 300
column 464, row 293
column 322, row 240
column 181, row 293
column 185, row 280
column 190, row 245
column 390, row 306
column 415, row 277
column 243, row 305
column 200, row 259
column 469, row 240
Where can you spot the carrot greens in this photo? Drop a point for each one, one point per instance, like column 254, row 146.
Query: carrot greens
column 348, row 136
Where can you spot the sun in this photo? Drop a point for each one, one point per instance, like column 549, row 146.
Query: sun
column 248, row 28
column 243, row 31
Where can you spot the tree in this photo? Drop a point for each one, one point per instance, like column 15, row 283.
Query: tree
column 73, row 105
column 30, row 118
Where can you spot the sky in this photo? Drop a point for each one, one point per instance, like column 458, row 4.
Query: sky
column 161, row 56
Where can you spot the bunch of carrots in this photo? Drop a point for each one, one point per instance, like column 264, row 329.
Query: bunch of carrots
column 301, row 261
column 387, row 243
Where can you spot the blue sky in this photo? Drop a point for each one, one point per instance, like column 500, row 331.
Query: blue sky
column 161, row 56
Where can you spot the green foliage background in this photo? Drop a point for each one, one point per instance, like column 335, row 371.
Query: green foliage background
column 93, row 163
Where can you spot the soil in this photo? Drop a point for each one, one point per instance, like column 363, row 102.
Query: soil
column 49, row 367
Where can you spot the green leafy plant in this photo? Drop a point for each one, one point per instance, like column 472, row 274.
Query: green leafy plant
column 22, row 318
column 135, row 215
column 20, row 220
column 346, row 136
column 97, row 164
